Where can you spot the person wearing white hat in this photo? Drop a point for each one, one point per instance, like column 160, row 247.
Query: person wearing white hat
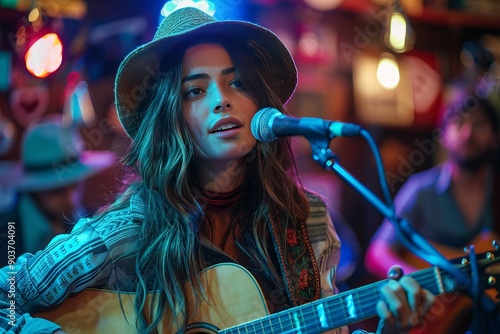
column 46, row 184
column 210, row 215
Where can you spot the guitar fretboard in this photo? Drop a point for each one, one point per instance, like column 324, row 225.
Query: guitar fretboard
column 332, row 312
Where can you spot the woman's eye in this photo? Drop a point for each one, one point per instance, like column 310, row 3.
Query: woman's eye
column 193, row 92
column 236, row 83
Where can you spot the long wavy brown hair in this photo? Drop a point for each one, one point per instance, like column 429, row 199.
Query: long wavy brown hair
column 169, row 258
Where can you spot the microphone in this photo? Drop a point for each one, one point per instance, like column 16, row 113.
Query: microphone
column 269, row 123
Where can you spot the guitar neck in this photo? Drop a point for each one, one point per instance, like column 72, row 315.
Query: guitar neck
column 332, row 312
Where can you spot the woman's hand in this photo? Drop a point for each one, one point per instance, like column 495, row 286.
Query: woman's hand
column 403, row 304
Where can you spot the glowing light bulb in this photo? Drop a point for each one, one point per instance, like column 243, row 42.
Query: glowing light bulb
column 44, row 56
column 203, row 5
column 388, row 73
column 397, row 32
column 323, row 4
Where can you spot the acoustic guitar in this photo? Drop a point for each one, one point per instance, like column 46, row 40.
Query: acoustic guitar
column 452, row 311
column 235, row 304
column 482, row 243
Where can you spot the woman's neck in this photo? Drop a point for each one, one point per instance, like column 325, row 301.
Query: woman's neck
column 220, row 178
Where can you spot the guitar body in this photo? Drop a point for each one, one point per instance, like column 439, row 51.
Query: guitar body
column 234, row 303
column 233, row 297
column 452, row 312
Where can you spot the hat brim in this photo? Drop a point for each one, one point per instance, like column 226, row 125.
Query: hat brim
column 137, row 72
column 60, row 175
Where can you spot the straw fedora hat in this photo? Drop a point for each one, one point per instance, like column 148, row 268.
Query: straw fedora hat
column 136, row 74
column 52, row 157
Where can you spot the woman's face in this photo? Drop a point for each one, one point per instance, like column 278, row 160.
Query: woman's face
column 216, row 107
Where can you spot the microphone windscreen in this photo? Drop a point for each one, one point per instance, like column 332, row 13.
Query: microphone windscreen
column 261, row 125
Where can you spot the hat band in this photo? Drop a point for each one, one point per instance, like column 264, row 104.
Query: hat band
column 68, row 162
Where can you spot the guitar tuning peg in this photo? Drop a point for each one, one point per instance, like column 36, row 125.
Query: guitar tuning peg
column 468, row 249
column 492, row 281
column 495, row 244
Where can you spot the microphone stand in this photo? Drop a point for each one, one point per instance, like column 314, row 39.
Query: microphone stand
column 408, row 236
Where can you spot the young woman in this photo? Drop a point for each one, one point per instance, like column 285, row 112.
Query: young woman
column 204, row 196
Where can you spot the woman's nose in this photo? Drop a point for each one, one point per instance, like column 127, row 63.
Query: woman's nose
column 222, row 106
column 221, row 101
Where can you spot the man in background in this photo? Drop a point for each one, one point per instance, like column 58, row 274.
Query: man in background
column 455, row 203
column 47, row 184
